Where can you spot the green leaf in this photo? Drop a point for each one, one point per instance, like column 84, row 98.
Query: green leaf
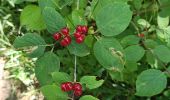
column 130, row 40
column 150, row 43
column 108, row 19
column 150, row 82
column 46, row 3
column 162, row 52
column 91, row 82
column 78, row 17
column 143, row 23
column 60, row 77
column 31, row 17
column 53, row 20
column 88, row 97
column 109, row 52
column 53, row 92
column 131, row 66
column 31, row 39
column 115, row 75
column 134, row 53
column 78, row 49
column 46, row 65
column 137, row 4
column 163, row 22
column 62, row 3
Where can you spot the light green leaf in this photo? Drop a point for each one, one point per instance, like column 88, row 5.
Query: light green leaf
column 88, row 97
column 162, row 53
column 108, row 19
column 91, row 82
column 150, row 82
column 78, row 49
column 46, row 65
column 31, row 39
column 109, row 53
column 62, row 3
column 134, row 53
column 163, row 22
column 31, row 17
column 53, row 20
column 53, row 92
column 60, row 77
column 143, row 23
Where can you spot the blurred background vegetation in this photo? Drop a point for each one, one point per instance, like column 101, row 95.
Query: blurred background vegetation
column 18, row 68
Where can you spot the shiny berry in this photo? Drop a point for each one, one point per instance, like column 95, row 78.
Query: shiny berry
column 65, row 31
column 67, row 39
column 77, row 87
column 63, row 43
column 77, row 34
column 57, row 36
column 67, row 86
column 80, row 39
column 84, row 29
column 78, row 93
column 141, row 35
column 79, row 28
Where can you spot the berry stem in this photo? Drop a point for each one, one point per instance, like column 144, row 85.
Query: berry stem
column 75, row 68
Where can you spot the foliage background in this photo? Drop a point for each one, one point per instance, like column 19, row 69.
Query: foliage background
column 150, row 17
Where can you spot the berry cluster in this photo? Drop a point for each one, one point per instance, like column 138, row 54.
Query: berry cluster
column 66, row 39
column 81, row 32
column 69, row 86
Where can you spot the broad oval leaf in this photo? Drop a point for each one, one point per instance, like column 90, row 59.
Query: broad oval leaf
column 60, row 77
column 162, row 52
column 31, row 39
column 150, row 82
column 108, row 19
column 53, row 20
column 109, row 53
column 45, row 66
column 78, row 49
column 31, row 17
column 88, row 97
column 130, row 40
column 91, row 82
column 134, row 53
column 53, row 92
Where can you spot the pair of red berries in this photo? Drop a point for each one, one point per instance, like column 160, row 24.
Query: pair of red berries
column 81, row 32
column 69, row 86
column 65, row 35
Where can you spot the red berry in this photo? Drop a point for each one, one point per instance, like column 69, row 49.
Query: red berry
column 67, row 86
column 57, row 36
column 141, row 35
column 84, row 29
column 79, row 28
column 77, row 87
column 80, row 39
column 67, row 39
column 78, row 93
column 65, row 31
column 77, row 34
column 63, row 43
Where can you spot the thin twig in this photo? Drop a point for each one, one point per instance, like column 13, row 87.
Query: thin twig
column 75, row 68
